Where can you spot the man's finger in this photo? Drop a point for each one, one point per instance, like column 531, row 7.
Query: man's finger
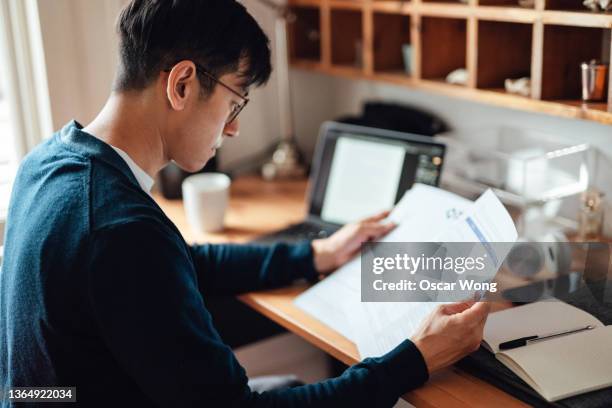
column 378, row 217
column 376, row 230
column 457, row 307
column 476, row 314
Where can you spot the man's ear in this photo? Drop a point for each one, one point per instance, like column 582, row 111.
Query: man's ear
column 182, row 82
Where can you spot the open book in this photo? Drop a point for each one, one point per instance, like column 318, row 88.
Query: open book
column 559, row 367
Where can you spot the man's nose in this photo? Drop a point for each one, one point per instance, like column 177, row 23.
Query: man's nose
column 231, row 129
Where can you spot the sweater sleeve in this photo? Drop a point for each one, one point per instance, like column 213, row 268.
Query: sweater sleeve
column 144, row 297
column 237, row 268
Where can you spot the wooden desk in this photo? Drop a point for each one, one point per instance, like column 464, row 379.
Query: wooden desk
column 257, row 207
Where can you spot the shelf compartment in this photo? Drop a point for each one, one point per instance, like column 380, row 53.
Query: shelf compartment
column 446, row 1
column 443, row 46
column 391, row 35
column 346, row 38
column 304, row 34
column 568, row 5
column 565, row 48
column 503, row 3
column 504, row 51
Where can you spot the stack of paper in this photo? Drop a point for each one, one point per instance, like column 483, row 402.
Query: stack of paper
column 424, row 214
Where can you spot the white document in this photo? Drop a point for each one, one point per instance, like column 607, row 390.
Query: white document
column 420, row 214
column 425, row 214
column 380, row 327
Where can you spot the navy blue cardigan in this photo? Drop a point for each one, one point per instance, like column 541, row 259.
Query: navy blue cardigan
column 99, row 290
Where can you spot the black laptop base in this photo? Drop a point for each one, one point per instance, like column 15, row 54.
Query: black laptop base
column 298, row 232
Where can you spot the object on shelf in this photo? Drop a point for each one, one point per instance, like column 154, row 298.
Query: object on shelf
column 598, row 5
column 407, row 55
column 594, row 80
column 520, row 86
column 358, row 53
column 526, row 3
column 565, row 49
column 458, row 77
column 590, row 218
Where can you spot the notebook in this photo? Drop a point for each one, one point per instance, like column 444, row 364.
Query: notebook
column 559, row 367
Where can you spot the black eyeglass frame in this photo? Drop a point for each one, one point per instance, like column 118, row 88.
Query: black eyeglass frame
column 245, row 100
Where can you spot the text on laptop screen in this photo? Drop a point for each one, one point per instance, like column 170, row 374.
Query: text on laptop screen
column 367, row 176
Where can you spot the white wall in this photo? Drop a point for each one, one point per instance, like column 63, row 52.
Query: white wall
column 80, row 52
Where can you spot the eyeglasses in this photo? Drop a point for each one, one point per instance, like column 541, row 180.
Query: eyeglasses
column 236, row 108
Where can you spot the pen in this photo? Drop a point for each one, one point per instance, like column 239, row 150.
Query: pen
column 523, row 341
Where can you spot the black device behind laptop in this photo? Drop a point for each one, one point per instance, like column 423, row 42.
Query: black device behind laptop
column 359, row 171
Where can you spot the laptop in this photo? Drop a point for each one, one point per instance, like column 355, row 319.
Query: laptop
column 359, row 171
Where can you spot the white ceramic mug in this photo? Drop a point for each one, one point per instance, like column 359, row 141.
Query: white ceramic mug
column 205, row 199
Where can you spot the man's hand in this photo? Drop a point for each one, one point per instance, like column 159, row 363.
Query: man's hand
column 334, row 251
column 451, row 332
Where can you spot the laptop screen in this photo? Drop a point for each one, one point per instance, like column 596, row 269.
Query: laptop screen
column 362, row 171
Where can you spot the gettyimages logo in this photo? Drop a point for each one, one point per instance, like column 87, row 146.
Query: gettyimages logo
column 455, row 271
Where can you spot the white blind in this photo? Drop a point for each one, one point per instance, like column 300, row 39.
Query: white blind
column 25, row 113
column 7, row 152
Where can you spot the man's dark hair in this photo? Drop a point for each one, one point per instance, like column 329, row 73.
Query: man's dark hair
column 219, row 35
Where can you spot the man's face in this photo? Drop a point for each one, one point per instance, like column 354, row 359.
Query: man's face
column 197, row 130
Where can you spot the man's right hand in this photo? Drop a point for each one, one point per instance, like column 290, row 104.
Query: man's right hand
column 451, row 332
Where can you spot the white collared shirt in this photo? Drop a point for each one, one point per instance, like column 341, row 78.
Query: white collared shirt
column 144, row 180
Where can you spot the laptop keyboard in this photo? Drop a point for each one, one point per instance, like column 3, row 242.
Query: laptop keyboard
column 297, row 232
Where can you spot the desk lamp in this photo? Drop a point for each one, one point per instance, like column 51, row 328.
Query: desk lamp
column 285, row 161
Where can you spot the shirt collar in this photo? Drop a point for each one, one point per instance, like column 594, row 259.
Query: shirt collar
column 144, row 180
column 81, row 142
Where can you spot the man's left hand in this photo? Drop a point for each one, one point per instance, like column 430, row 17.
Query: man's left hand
column 334, row 251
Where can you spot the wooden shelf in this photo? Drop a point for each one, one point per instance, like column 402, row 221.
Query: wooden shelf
column 391, row 34
column 304, row 34
column 492, row 39
column 443, row 46
column 346, row 37
column 571, row 5
column 501, row 3
column 565, row 48
column 495, row 65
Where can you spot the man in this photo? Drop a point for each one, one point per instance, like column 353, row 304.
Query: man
column 98, row 288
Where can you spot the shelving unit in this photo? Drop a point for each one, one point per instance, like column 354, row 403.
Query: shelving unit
column 304, row 34
column 502, row 3
column 346, row 38
column 492, row 39
column 493, row 67
column 443, row 46
column 573, row 5
column 566, row 47
column 391, row 33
